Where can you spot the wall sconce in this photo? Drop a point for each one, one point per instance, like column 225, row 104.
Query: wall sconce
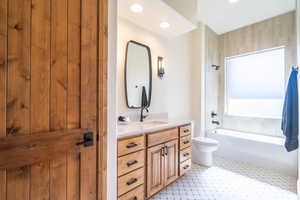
column 160, row 68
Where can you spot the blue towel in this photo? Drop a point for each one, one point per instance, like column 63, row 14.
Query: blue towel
column 290, row 121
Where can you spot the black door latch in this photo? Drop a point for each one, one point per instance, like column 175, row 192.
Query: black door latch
column 88, row 140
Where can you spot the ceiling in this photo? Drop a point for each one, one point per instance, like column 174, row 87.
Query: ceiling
column 222, row 17
column 154, row 12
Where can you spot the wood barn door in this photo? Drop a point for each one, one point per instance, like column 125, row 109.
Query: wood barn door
column 53, row 60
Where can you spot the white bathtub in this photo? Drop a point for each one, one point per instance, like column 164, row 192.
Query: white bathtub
column 260, row 151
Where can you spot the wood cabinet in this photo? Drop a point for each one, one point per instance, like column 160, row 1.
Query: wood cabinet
column 155, row 169
column 148, row 163
column 162, row 166
column 136, row 194
column 171, row 161
column 131, row 170
column 185, row 153
column 162, row 160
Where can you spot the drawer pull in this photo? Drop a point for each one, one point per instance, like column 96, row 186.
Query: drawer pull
column 131, row 145
column 186, row 154
column 186, row 142
column 186, row 167
column 134, row 180
column 135, row 198
column 186, row 131
column 166, row 151
column 132, row 163
column 163, row 151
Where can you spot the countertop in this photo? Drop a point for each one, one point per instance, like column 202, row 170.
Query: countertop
column 137, row 128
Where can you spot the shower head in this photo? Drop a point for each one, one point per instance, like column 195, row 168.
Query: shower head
column 215, row 67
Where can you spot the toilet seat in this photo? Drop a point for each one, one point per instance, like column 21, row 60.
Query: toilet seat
column 205, row 140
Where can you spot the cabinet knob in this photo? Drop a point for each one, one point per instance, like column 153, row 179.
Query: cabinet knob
column 186, row 167
column 186, row 154
column 186, row 142
column 166, row 151
column 186, row 131
column 163, row 151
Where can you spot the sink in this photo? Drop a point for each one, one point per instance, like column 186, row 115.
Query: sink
column 154, row 123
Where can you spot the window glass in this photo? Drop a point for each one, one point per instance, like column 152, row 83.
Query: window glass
column 255, row 84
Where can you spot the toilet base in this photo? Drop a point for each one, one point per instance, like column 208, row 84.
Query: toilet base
column 203, row 158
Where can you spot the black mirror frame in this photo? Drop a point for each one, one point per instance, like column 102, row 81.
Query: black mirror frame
column 150, row 74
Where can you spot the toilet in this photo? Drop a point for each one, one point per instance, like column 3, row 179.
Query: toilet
column 203, row 149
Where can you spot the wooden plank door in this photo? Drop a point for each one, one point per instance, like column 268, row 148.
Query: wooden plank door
column 53, row 91
column 155, row 169
column 171, row 161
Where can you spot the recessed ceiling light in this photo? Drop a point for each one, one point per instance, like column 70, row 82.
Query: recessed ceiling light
column 164, row 25
column 136, row 8
column 233, row 1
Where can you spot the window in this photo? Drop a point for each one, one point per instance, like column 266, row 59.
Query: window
column 255, row 84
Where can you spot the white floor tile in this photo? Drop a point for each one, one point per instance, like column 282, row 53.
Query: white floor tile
column 230, row 180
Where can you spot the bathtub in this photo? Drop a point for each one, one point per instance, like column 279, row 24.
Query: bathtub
column 257, row 150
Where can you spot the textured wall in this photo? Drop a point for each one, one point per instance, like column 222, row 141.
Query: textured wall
column 274, row 32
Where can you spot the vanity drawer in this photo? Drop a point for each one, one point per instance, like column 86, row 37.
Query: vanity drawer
column 126, row 146
column 131, row 162
column 136, row 194
column 185, row 154
column 185, row 142
column 130, row 181
column 185, row 130
column 185, row 166
column 162, row 136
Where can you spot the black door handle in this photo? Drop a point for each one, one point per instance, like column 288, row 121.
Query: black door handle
column 88, row 140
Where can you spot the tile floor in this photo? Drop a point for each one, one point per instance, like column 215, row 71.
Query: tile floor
column 230, row 180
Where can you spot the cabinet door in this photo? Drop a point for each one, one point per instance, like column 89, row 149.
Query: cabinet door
column 171, row 161
column 155, row 169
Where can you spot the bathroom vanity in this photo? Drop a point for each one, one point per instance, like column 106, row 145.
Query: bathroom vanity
column 152, row 156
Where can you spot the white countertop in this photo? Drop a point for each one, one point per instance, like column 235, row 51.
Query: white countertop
column 137, row 128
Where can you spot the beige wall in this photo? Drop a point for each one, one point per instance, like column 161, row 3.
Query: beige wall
column 173, row 93
column 212, row 76
column 112, row 97
column 274, row 32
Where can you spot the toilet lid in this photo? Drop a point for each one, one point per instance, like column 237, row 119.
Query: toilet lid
column 205, row 140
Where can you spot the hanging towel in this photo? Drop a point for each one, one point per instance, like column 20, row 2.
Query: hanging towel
column 290, row 121
column 144, row 98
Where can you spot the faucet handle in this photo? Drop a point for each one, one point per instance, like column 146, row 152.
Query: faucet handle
column 145, row 116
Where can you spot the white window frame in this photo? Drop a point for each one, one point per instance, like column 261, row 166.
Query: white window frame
column 226, row 77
